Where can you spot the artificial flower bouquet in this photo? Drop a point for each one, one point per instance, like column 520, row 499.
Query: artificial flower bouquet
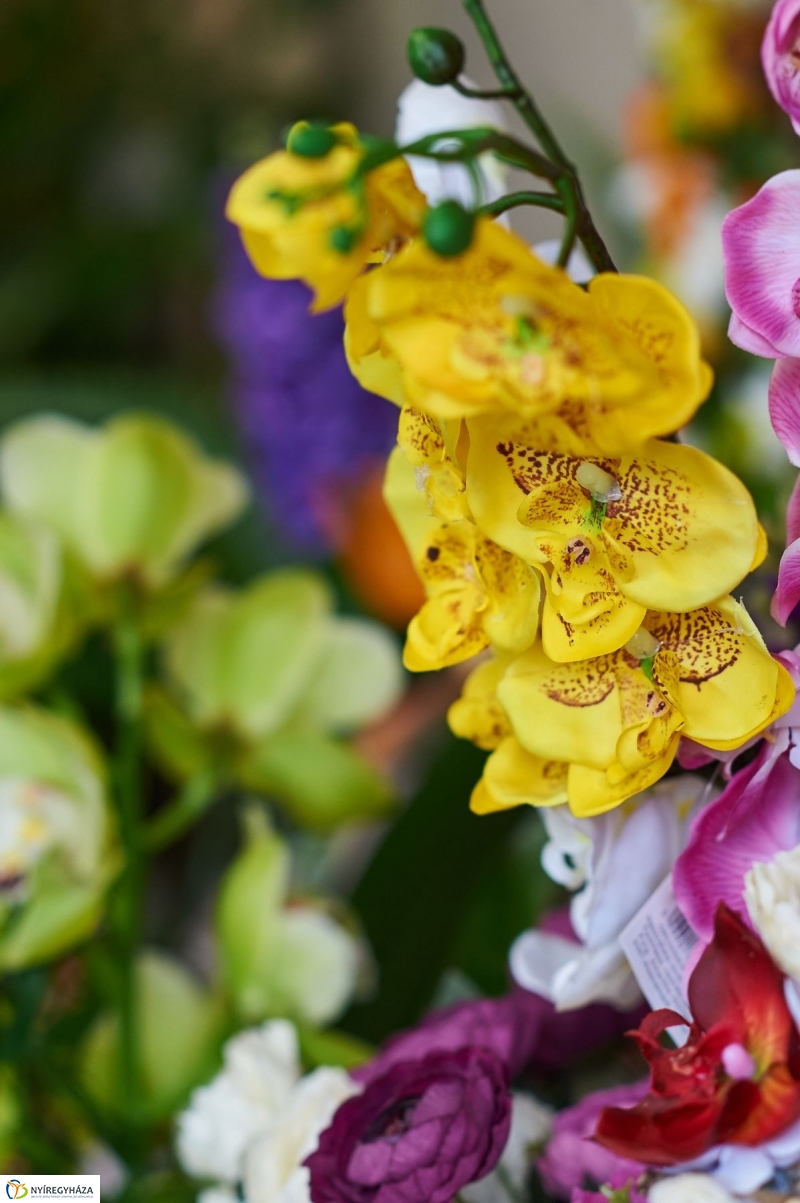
column 581, row 568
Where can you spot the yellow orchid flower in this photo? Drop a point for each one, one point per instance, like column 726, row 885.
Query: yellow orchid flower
column 291, row 208
column 478, row 595
column 511, row 776
column 616, row 720
column 437, row 452
column 667, row 528
column 496, row 327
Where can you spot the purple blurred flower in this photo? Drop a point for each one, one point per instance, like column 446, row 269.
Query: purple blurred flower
column 573, row 1161
column 309, row 427
column 418, row 1133
column 521, row 1028
column 780, row 55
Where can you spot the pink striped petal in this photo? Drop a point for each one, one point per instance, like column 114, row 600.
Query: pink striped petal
column 784, row 405
column 762, row 267
column 787, row 594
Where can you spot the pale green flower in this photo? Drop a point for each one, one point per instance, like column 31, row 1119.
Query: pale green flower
column 56, row 846
column 132, row 499
column 45, row 603
column 267, row 680
column 280, row 957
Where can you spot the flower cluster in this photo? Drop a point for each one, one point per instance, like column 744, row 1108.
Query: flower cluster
column 585, row 559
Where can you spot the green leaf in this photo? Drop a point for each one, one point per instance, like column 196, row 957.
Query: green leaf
column 180, row 1026
column 413, row 897
column 321, row 783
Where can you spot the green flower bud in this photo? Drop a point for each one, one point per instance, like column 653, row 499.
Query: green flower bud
column 278, row 960
column 343, row 239
column 57, row 855
column 310, row 141
column 448, row 228
column 179, row 1026
column 132, row 499
column 436, row 56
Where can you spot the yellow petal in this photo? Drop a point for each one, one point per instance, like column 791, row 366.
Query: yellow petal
column 729, row 684
column 565, row 712
column 477, row 715
column 512, row 777
column 590, row 792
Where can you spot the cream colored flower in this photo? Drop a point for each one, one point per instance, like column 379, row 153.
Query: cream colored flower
column 772, row 895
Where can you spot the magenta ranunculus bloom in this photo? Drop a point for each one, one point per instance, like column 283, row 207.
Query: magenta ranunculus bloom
column 573, row 1161
column 418, row 1133
column 780, row 55
column 761, row 244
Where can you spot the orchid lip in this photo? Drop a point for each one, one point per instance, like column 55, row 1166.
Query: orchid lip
column 738, row 1063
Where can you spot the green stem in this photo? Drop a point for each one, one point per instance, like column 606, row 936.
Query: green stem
column 579, row 220
column 128, row 651
column 541, row 200
column 182, row 813
column 484, row 93
column 476, row 142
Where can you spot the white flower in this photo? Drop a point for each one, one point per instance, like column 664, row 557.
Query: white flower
column 258, row 1120
column 274, row 1170
column 245, row 1098
column 616, row 861
column 689, row 1188
column 742, row 1169
column 531, row 1124
column 423, row 110
column 772, row 895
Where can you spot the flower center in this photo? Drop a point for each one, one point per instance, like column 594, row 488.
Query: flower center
column 392, row 1123
column 738, row 1063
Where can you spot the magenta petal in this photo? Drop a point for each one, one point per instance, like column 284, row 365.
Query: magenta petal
column 742, row 336
column 755, row 816
column 787, row 594
column 784, row 405
column 779, row 64
column 762, row 265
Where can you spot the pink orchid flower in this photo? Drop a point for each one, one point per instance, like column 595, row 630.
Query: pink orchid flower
column 762, row 269
column 780, row 56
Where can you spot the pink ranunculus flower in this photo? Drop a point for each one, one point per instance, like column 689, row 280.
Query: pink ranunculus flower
column 761, row 247
column 573, row 1161
column 780, row 55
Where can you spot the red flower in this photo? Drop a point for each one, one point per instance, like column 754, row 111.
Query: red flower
column 736, row 1080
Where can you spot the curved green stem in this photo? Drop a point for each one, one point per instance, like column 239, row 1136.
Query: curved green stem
column 540, row 200
column 476, row 142
column 485, row 93
column 182, row 813
column 579, row 220
column 129, row 656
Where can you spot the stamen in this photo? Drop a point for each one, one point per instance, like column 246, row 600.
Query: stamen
column 642, row 645
column 598, row 482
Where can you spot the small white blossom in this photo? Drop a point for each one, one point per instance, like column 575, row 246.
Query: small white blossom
column 689, row 1188
column 274, row 1170
column 615, row 862
column 245, row 1098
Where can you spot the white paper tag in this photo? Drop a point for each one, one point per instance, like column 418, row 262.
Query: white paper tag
column 658, row 942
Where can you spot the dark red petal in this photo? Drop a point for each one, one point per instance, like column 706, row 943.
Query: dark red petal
column 736, row 983
column 658, row 1131
column 755, row 1112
